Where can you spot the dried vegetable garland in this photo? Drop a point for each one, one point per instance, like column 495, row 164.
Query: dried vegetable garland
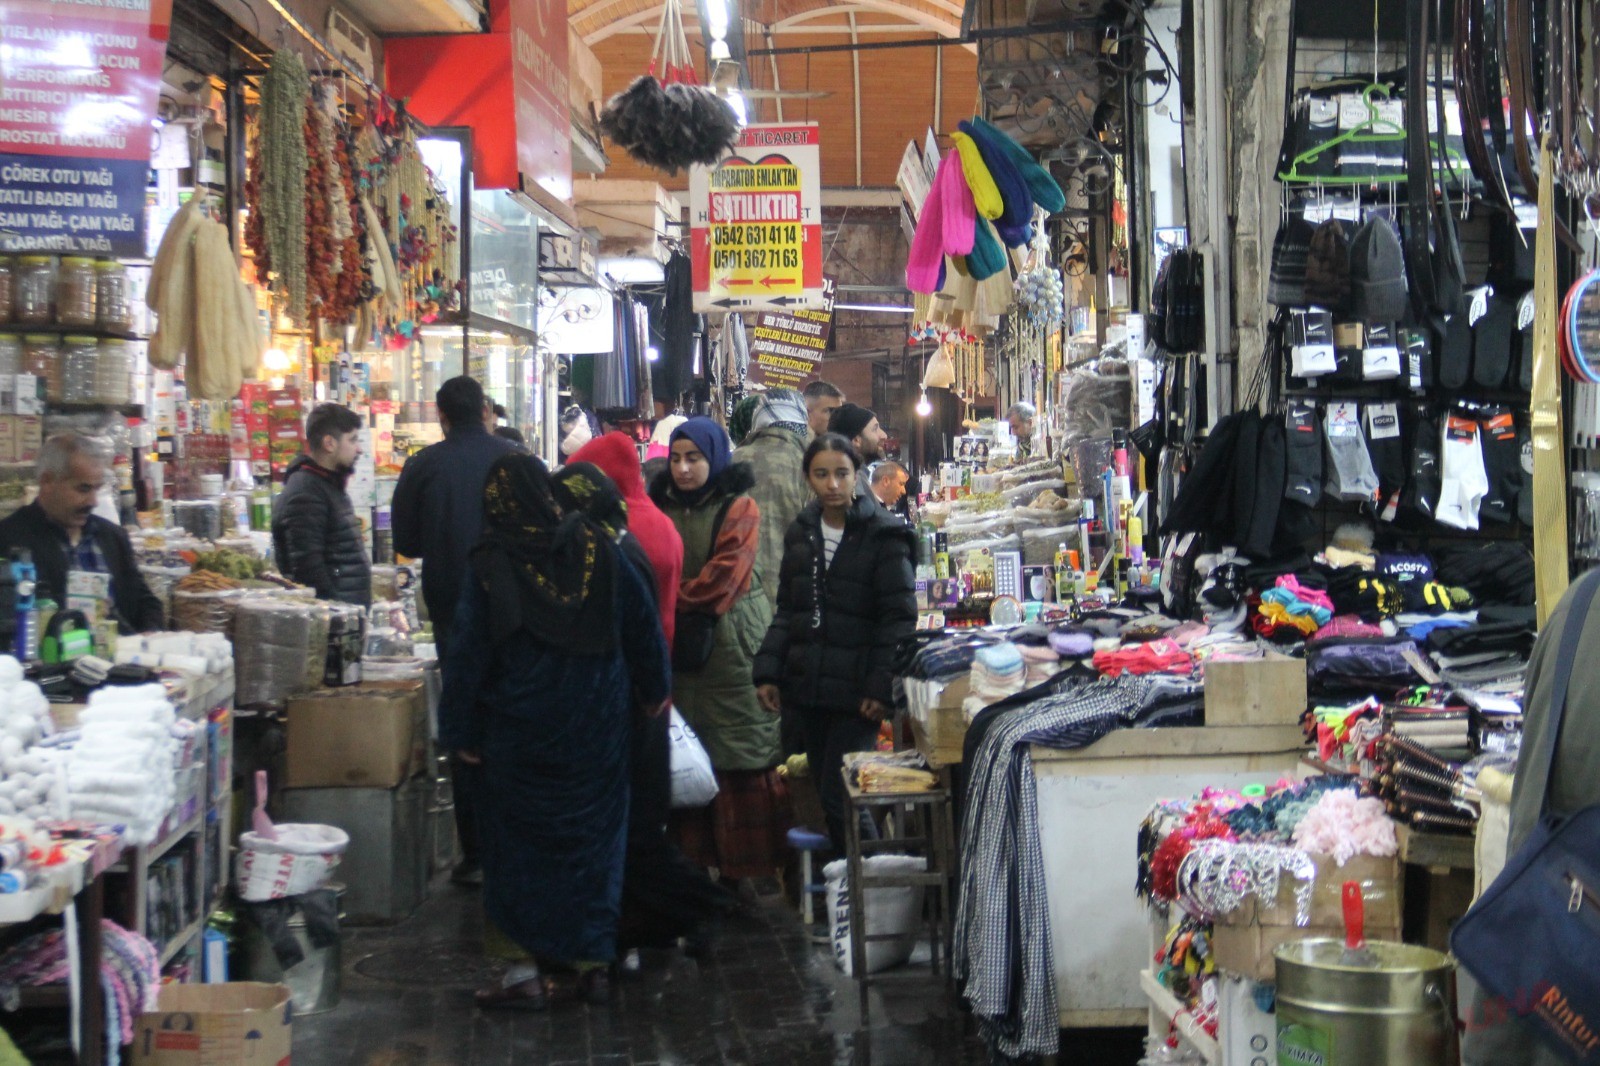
column 281, row 190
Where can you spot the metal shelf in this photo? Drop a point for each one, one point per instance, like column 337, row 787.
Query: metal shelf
column 179, row 942
column 144, row 856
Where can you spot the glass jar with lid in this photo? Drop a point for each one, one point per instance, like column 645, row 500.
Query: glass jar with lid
column 8, row 287
column 41, row 357
column 113, row 373
column 111, row 287
column 10, row 355
column 35, row 290
column 75, row 293
column 76, row 377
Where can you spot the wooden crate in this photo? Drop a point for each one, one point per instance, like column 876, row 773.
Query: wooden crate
column 1257, row 692
column 940, row 726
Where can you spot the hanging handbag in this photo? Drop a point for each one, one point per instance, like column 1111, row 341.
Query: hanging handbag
column 1533, row 937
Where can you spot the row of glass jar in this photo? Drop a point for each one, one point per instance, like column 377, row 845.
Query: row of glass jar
column 73, row 292
column 74, row 369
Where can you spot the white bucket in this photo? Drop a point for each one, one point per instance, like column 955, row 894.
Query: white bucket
column 302, row 858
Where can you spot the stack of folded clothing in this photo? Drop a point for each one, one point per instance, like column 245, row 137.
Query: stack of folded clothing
column 1162, row 656
column 1042, row 663
column 998, row 671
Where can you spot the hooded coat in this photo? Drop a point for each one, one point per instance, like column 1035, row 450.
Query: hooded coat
column 832, row 641
column 616, row 455
column 723, row 578
column 775, row 455
column 316, row 538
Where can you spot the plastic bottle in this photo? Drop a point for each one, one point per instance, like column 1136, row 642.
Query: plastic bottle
column 26, row 578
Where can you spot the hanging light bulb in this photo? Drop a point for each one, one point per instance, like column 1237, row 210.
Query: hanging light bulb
column 924, row 408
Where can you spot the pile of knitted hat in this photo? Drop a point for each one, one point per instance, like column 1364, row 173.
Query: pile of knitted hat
column 981, row 202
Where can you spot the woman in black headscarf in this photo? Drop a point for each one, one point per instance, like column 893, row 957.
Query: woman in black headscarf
column 665, row 897
column 557, row 645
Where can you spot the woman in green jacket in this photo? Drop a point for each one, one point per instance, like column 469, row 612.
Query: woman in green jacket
column 723, row 615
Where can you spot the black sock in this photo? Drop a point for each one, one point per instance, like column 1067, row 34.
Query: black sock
column 1454, row 357
column 1304, row 439
column 1421, row 495
column 1502, row 461
column 1388, row 454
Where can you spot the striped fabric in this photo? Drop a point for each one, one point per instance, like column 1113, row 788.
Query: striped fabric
column 1002, row 930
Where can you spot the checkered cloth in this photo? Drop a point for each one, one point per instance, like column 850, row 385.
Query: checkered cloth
column 1002, row 930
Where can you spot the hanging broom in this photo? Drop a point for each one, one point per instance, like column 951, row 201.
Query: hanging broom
column 675, row 122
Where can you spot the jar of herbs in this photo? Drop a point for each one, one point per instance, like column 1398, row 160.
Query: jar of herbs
column 35, row 290
column 10, row 355
column 41, row 357
column 75, row 293
column 75, row 379
column 113, row 373
column 111, row 287
column 8, row 288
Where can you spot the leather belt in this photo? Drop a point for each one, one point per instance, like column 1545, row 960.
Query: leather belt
column 1419, row 167
column 1519, row 62
column 1449, row 275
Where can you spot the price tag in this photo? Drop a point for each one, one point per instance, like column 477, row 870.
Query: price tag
column 1352, row 111
column 1322, row 112
column 1391, row 116
column 1383, row 421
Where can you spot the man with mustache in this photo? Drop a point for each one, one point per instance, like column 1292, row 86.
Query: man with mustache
column 63, row 533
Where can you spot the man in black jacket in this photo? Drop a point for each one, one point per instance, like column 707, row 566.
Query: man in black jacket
column 437, row 516
column 63, row 533
column 315, row 535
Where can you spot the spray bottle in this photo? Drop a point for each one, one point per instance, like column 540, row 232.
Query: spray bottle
column 26, row 579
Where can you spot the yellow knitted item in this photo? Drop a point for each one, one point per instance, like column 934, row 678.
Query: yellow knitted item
column 985, row 193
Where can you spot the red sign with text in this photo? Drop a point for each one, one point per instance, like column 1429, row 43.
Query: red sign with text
column 539, row 83
column 79, row 84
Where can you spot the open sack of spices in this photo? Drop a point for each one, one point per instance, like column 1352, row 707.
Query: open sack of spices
column 672, row 122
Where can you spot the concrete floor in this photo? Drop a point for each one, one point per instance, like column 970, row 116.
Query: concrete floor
column 767, row 996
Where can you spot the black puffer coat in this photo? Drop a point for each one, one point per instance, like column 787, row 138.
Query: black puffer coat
column 315, row 537
column 832, row 641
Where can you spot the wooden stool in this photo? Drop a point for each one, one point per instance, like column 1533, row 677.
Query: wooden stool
column 921, row 823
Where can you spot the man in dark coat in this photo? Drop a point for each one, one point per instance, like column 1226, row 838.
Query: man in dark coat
column 437, row 516
column 62, row 532
column 438, row 502
column 315, row 535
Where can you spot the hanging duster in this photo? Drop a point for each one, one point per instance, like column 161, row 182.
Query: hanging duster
column 1549, row 470
column 985, row 193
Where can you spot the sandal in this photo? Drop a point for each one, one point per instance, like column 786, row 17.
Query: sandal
column 529, row 995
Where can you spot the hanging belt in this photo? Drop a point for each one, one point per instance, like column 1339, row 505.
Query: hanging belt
column 1519, row 60
column 1419, row 167
column 1477, row 97
column 1449, row 276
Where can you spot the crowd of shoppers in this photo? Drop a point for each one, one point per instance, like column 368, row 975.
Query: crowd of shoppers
column 759, row 590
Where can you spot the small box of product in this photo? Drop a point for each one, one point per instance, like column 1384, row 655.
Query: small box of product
column 30, row 438
column 363, row 736
column 1256, row 692
column 238, row 1024
column 8, row 438
column 25, row 395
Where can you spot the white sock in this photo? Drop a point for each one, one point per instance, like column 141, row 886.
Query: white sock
column 1464, row 482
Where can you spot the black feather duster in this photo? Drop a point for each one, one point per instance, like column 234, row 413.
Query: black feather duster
column 670, row 127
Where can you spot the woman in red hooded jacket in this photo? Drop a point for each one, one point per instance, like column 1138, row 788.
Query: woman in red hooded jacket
column 618, row 457
column 664, row 895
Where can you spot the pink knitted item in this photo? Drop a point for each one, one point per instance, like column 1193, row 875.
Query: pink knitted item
column 960, row 213
column 927, row 244
column 1315, row 597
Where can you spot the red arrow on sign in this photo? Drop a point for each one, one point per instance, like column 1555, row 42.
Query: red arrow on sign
column 737, row 281
column 769, row 281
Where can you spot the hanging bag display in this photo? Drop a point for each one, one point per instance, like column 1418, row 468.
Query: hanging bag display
column 1533, row 937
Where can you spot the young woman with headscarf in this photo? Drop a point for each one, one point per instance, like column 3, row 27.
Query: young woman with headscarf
column 722, row 615
column 664, row 895
column 557, row 645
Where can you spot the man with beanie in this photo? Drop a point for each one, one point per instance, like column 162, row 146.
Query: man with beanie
column 315, row 536
column 437, row 517
column 775, row 449
column 860, row 427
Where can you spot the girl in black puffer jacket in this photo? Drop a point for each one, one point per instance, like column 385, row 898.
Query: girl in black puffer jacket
column 846, row 598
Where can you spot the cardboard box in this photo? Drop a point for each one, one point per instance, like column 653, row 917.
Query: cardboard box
column 1382, row 892
column 1247, row 949
column 30, row 438
column 240, row 1024
column 364, row 736
column 1261, row 692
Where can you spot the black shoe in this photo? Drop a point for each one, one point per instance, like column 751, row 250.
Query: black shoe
column 467, row 875
column 699, row 944
column 594, row 986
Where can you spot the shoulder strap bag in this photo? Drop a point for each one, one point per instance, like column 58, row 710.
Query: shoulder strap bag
column 1533, row 939
column 695, row 637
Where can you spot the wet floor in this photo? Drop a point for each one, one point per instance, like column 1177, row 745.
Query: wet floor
column 767, row 995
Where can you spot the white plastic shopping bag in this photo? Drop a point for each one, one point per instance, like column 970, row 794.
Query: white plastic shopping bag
column 694, row 784
column 890, row 911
